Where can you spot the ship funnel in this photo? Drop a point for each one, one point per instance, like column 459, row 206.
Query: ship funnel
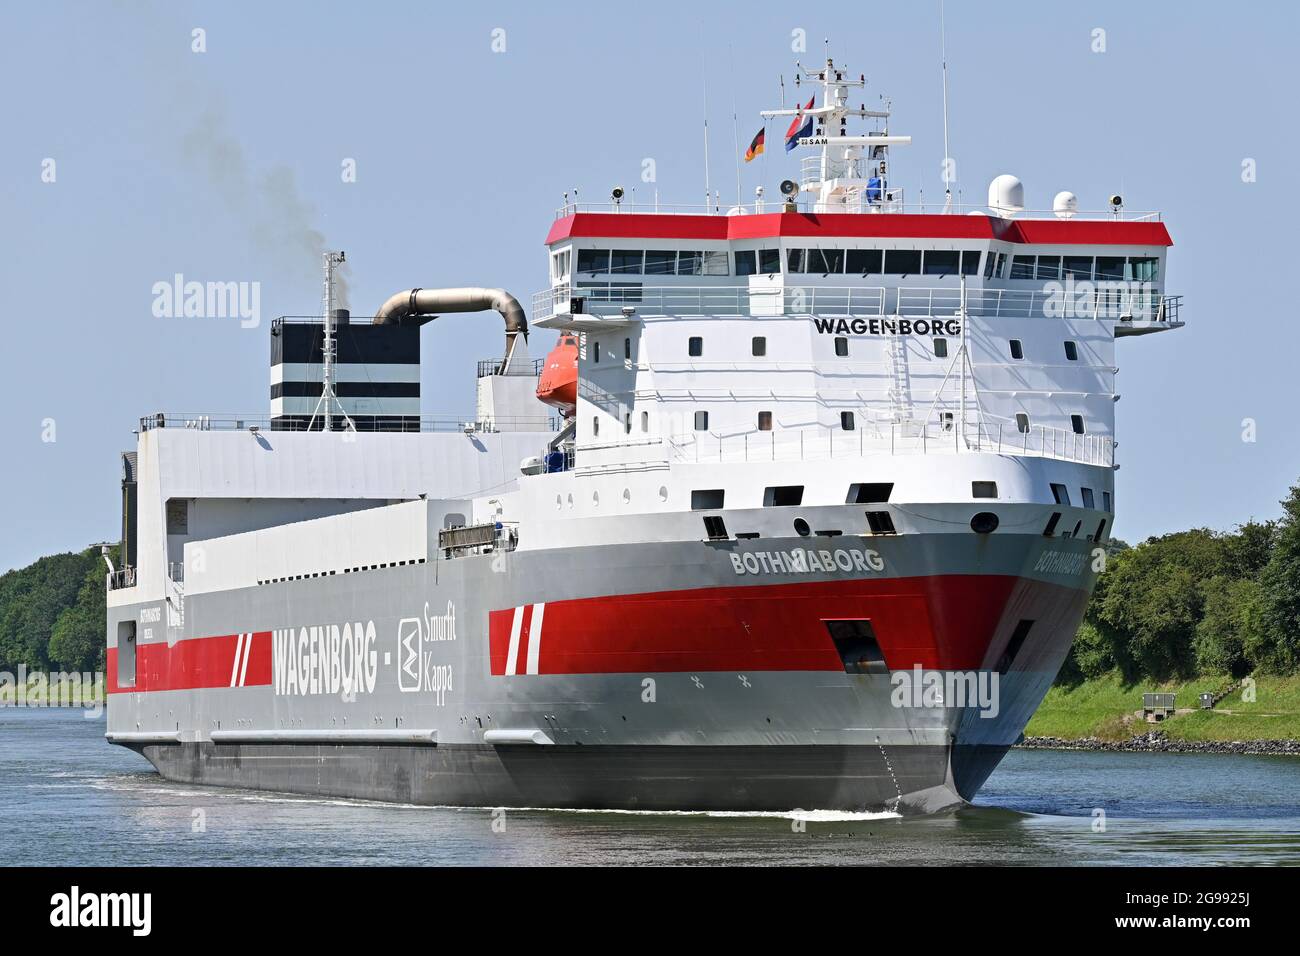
column 417, row 306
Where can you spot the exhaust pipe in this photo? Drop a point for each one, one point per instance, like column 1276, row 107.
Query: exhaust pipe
column 418, row 306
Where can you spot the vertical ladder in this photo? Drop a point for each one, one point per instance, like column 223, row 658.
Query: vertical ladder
column 900, row 385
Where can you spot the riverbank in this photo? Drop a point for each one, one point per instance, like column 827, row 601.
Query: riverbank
column 1105, row 714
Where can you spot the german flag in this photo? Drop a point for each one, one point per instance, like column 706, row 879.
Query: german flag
column 756, row 146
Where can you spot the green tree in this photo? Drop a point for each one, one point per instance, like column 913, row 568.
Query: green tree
column 1278, row 649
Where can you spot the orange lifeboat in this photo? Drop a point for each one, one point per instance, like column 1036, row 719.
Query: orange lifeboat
column 558, row 384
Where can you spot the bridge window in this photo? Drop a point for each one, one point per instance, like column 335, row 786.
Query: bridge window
column 783, row 496
column 1088, row 500
column 1078, row 267
column 560, row 264
column 765, row 421
column 794, row 260
column 1022, row 422
column 841, row 346
column 1060, row 494
column 593, row 260
column 769, row 261
column 695, row 346
column 970, row 263
column 941, row 262
column 1022, row 267
column 701, row 421
column 626, row 261
column 1049, row 267
column 1144, row 269
column 1076, row 423
column 660, row 262
column 1017, row 350
column 902, row 262
column 1071, row 351
column 758, row 346
column 941, row 348
column 846, row 421
column 747, row 262
column 863, row 262
column 690, row 263
column 1110, row 268
column 989, row 265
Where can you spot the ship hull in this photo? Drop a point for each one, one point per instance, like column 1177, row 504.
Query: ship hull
column 662, row 677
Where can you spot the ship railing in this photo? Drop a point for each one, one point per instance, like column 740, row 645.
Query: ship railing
column 488, row 367
column 1119, row 301
column 893, row 438
column 205, row 421
column 121, row 578
column 806, row 203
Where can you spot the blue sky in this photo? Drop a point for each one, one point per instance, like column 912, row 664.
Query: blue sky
column 220, row 164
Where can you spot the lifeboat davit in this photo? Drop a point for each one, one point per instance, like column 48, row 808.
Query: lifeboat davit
column 558, row 384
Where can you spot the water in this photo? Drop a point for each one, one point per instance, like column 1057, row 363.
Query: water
column 69, row 798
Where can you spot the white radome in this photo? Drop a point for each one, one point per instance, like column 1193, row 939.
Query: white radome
column 1006, row 195
column 1065, row 205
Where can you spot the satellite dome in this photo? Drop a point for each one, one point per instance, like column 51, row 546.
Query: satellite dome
column 1065, row 205
column 1006, row 195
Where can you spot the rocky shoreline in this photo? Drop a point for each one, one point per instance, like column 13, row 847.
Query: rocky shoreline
column 1156, row 741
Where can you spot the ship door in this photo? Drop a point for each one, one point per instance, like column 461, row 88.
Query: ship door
column 126, row 654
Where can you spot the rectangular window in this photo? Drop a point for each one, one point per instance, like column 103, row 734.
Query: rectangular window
column 595, row 425
column 626, row 261
column 747, row 262
column 1060, row 494
column 825, row 261
column 758, row 346
column 945, row 421
column 1078, row 267
column 1022, row 423
column 126, row 669
column 869, row 492
column 1110, row 268
column 1105, row 501
column 560, row 265
column 645, row 421
column 941, row 348
column 1071, row 351
column 690, row 263
column 902, row 262
column 695, row 346
column 769, row 261
column 1049, row 267
column 846, row 421
column 1088, row 500
column 941, row 262
column 983, row 489
column 856, row 643
column 765, row 421
column 701, row 421
column 707, row 499
column 841, row 346
column 1022, row 267
column 863, row 262
column 794, row 260
column 783, row 496
column 178, row 516
column 1076, row 423
column 595, row 351
column 1144, row 269
column 593, row 260
column 627, row 349
column 880, row 522
column 989, row 262
column 715, row 263
column 970, row 263
column 1017, row 350
column 660, row 262
column 627, row 423
column 1001, row 270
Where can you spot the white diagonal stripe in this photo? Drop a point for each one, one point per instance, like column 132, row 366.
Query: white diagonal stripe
column 248, row 652
column 239, row 650
column 512, row 657
column 535, row 638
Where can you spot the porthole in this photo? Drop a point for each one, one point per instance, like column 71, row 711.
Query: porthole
column 663, row 492
column 801, row 528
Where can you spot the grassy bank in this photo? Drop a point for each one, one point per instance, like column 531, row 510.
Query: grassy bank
column 1106, row 708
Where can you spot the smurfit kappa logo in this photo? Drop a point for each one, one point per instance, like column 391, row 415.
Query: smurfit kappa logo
column 416, row 670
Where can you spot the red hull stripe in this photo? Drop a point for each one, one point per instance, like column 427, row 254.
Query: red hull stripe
column 849, row 225
column 944, row 622
column 229, row 660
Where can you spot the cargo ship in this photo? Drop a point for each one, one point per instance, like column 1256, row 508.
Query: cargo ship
column 801, row 512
